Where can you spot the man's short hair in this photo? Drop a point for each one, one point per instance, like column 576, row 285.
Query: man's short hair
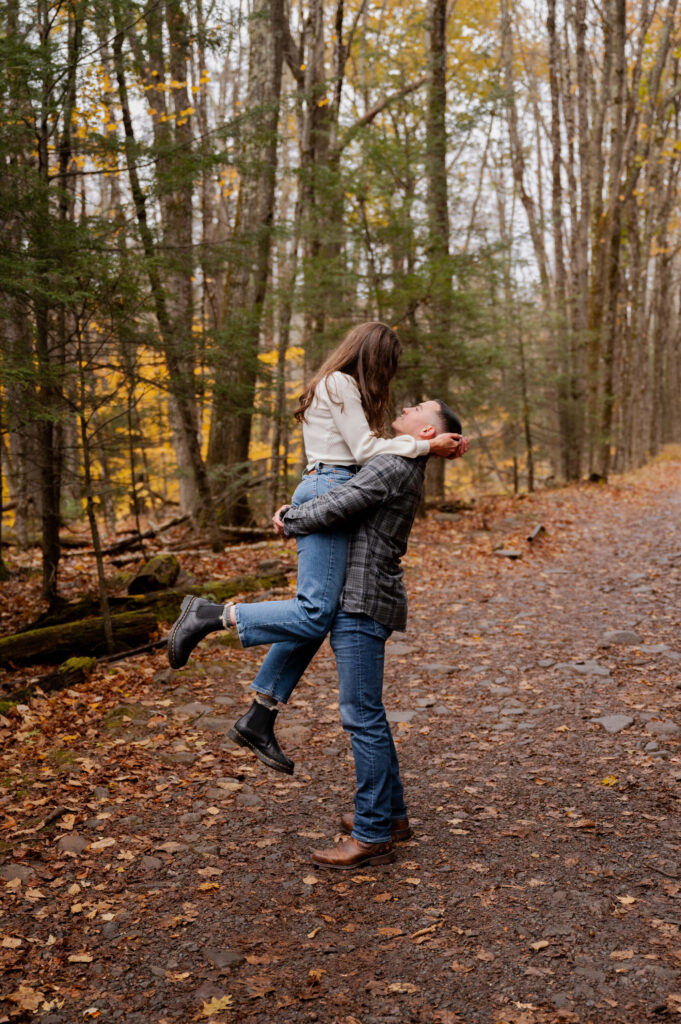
column 449, row 421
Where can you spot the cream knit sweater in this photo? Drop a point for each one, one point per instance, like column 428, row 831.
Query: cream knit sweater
column 337, row 432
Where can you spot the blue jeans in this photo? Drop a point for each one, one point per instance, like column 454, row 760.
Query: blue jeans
column 358, row 642
column 297, row 627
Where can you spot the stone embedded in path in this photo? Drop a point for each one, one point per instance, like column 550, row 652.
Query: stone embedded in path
column 10, row 872
column 222, row 725
column 72, row 843
column 621, row 636
column 192, row 709
column 614, row 723
column 150, row 863
column 437, row 669
column 399, row 716
column 399, row 649
column 223, row 957
column 293, row 732
column 179, row 757
column 662, row 727
column 586, row 667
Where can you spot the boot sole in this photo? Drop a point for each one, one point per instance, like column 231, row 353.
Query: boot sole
column 187, row 602
column 243, row 742
column 381, row 858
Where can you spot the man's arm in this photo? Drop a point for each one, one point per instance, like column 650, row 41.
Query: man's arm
column 381, row 479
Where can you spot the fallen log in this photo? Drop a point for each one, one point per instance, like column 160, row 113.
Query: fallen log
column 134, row 541
column 69, row 673
column 164, row 604
column 55, row 643
column 159, row 573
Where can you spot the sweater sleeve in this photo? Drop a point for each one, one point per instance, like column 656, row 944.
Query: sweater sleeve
column 350, row 421
column 373, row 485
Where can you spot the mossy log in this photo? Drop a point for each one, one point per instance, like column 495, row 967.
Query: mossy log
column 54, row 643
column 70, row 673
column 159, row 573
column 164, row 603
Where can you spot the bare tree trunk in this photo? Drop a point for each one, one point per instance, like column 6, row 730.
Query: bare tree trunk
column 440, row 272
column 236, row 364
column 182, row 389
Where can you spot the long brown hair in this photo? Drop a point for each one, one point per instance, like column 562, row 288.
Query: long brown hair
column 370, row 353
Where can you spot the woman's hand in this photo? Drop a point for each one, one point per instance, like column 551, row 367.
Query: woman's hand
column 449, row 446
column 277, row 520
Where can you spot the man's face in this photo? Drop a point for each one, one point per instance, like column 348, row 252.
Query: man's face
column 421, row 421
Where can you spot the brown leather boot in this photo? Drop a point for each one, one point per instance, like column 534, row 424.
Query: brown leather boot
column 353, row 854
column 400, row 830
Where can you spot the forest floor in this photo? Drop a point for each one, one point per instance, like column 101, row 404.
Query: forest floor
column 153, row 873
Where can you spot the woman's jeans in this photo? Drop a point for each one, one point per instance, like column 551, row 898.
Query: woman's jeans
column 358, row 643
column 296, row 628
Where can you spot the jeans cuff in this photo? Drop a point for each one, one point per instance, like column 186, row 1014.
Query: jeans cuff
column 268, row 693
column 239, row 627
column 370, row 839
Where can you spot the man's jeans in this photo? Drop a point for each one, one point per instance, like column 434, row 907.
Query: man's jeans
column 358, row 643
column 297, row 627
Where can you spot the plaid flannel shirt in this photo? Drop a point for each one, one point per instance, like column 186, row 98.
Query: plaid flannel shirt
column 378, row 505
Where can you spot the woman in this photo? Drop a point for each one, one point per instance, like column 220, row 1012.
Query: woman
column 342, row 411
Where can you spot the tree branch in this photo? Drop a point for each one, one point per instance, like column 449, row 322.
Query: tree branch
column 367, row 118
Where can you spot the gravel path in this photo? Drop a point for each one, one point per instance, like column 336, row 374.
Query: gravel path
column 535, row 704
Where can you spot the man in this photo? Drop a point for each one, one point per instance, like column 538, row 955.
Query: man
column 379, row 505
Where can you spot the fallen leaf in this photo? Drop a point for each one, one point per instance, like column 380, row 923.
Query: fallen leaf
column 102, row 844
column 206, row 886
column 178, row 975
column 80, row 958
column 383, row 897
column 484, row 954
column 609, row 780
column 626, row 901
column 540, row 944
column 67, row 822
column 402, row 987
column 674, row 1002
column 315, row 975
column 10, row 943
column 310, row 880
column 390, row 931
column 426, row 931
column 216, row 1006
column 26, row 998
column 461, row 968
column 312, row 934
column 622, row 954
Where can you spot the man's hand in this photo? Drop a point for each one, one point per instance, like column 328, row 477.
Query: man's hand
column 278, row 522
column 449, row 446
column 462, row 447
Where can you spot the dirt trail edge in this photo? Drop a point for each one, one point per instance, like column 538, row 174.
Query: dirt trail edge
column 154, row 873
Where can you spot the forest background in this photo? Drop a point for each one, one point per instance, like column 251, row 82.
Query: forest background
column 199, row 198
